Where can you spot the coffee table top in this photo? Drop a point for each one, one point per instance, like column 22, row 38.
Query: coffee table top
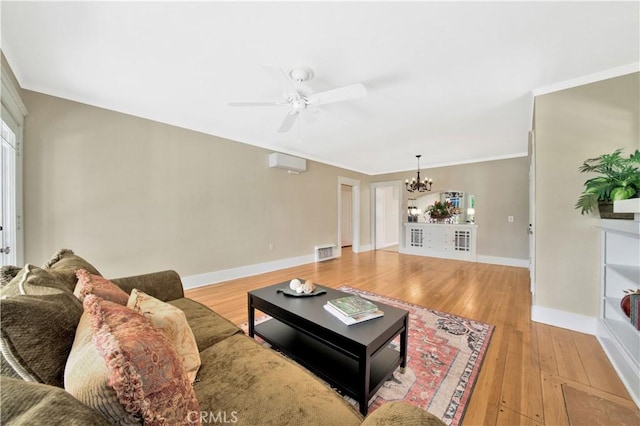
column 311, row 309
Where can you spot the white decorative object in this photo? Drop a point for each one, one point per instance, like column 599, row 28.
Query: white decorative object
column 295, row 284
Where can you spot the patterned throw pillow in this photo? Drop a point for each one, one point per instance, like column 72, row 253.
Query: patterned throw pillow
column 89, row 283
column 142, row 367
column 86, row 377
column 174, row 323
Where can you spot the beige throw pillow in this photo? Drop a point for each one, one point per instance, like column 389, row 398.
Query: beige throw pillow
column 174, row 323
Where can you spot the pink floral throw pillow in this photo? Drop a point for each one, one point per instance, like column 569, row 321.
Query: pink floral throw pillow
column 174, row 323
column 89, row 283
column 144, row 369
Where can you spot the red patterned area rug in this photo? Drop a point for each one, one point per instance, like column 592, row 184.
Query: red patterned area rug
column 444, row 358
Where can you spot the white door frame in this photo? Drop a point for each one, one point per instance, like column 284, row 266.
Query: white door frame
column 14, row 111
column 394, row 184
column 355, row 213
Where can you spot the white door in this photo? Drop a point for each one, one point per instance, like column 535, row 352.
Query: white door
column 380, row 236
column 347, row 222
column 532, row 212
column 386, row 207
column 8, row 209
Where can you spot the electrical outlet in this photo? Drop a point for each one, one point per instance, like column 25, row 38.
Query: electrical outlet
column 510, row 219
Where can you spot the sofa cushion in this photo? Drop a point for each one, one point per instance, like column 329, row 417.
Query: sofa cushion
column 37, row 333
column 25, row 403
column 64, row 264
column 208, row 327
column 89, row 283
column 237, row 369
column 143, row 368
column 173, row 322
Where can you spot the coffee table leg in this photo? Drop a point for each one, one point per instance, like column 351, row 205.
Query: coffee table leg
column 404, row 337
column 251, row 316
column 365, row 381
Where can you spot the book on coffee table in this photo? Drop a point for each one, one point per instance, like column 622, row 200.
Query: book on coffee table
column 352, row 305
column 353, row 319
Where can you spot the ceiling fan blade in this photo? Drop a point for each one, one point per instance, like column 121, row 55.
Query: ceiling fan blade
column 246, row 104
column 288, row 121
column 345, row 93
column 286, row 84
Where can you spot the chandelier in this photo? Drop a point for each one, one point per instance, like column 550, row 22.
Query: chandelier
column 416, row 184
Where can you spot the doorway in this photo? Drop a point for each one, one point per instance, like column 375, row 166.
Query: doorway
column 386, row 224
column 348, row 214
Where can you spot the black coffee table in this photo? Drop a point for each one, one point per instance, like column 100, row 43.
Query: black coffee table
column 356, row 359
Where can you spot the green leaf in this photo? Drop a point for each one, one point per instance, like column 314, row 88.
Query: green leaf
column 586, row 203
column 622, row 193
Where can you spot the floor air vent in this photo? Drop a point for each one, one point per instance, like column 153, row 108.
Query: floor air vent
column 325, row 252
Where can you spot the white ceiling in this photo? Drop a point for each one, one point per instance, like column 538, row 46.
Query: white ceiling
column 449, row 80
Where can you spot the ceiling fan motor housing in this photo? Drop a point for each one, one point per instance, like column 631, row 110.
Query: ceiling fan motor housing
column 301, row 74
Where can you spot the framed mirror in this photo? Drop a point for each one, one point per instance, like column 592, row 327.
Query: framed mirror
column 464, row 203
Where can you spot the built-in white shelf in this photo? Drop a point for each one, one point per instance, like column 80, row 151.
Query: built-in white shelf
column 620, row 270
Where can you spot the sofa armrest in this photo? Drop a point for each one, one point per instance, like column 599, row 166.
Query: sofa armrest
column 401, row 413
column 165, row 285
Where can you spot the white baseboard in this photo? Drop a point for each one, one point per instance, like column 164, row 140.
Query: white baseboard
column 363, row 248
column 388, row 245
column 193, row 281
column 576, row 322
column 506, row 261
column 214, row 277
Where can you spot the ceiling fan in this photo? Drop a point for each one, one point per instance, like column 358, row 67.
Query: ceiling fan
column 298, row 98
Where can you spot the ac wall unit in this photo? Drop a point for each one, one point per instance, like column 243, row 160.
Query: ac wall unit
column 287, row 162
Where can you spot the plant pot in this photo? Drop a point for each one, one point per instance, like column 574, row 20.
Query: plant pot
column 606, row 211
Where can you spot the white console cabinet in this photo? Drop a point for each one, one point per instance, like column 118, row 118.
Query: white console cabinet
column 451, row 241
column 620, row 270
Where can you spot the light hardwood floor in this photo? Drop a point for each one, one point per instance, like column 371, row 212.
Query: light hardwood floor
column 527, row 362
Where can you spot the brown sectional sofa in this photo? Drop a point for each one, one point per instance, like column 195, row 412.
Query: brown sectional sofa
column 239, row 380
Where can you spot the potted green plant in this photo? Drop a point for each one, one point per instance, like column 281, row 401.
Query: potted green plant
column 441, row 210
column 619, row 179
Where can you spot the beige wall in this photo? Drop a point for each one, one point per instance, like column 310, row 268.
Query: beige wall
column 133, row 195
column 501, row 188
column 571, row 126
